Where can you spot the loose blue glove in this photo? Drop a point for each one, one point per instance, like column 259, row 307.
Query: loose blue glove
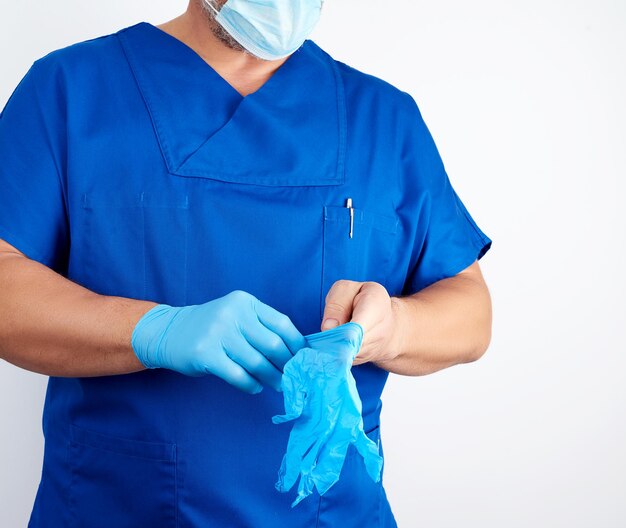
column 235, row 337
column 321, row 397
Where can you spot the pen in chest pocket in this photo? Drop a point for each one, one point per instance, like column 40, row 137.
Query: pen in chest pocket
column 349, row 206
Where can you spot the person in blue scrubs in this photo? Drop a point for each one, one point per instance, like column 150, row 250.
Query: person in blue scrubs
column 171, row 166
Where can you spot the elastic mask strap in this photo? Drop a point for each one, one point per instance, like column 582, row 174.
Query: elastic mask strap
column 209, row 3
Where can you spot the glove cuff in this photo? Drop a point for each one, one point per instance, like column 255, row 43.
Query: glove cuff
column 350, row 334
column 148, row 335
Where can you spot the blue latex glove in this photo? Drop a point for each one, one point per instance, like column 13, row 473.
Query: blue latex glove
column 235, row 337
column 321, row 397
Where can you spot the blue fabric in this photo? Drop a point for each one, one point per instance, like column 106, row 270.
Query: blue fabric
column 322, row 399
column 128, row 165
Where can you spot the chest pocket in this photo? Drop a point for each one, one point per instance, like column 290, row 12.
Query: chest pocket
column 132, row 245
column 364, row 257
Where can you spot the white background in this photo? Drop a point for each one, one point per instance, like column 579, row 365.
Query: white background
column 526, row 101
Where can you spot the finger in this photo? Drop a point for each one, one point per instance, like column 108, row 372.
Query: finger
column 294, row 391
column 290, row 469
column 234, row 374
column 339, row 302
column 280, row 324
column 332, row 456
column 302, row 451
column 280, row 483
column 268, row 343
column 330, row 462
column 370, row 305
column 254, row 362
column 311, row 462
column 305, row 488
column 306, row 438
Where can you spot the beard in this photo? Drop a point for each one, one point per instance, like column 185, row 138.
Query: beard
column 218, row 31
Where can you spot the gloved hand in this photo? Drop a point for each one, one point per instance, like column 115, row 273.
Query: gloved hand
column 235, row 337
column 321, row 396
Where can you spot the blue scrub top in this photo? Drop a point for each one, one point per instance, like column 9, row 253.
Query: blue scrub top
column 128, row 165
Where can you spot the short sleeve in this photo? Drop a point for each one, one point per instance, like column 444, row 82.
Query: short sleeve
column 445, row 238
column 32, row 206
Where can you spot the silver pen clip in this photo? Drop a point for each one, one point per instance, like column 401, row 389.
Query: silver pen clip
column 349, row 206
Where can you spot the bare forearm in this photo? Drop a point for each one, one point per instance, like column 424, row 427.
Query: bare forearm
column 446, row 324
column 53, row 326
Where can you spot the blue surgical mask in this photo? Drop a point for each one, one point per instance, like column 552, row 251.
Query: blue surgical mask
column 269, row 29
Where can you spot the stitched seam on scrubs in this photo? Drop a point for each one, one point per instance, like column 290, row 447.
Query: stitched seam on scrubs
column 179, row 168
column 156, row 127
column 186, row 252
column 258, row 179
column 118, row 452
column 264, row 178
column 322, row 278
column 342, row 118
column 143, row 246
column 162, row 137
column 319, row 511
column 43, row 120
column 69, row 490
column 124, row 446
column 338, row 214
column 55, row 162
column 414, row 270
column 417, row 242
column 397, row 191
column 175, row 452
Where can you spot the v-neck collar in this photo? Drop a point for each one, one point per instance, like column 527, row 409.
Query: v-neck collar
column 291, row 131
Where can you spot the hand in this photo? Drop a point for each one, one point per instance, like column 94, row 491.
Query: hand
column 368, row 304
column 235, row 337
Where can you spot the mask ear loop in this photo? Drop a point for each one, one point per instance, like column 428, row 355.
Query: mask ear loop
column 209, row 3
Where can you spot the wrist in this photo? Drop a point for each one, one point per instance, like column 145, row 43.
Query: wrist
column 397, row 339
column 147, row 335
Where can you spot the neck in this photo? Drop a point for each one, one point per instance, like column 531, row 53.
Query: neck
column 243, row 71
